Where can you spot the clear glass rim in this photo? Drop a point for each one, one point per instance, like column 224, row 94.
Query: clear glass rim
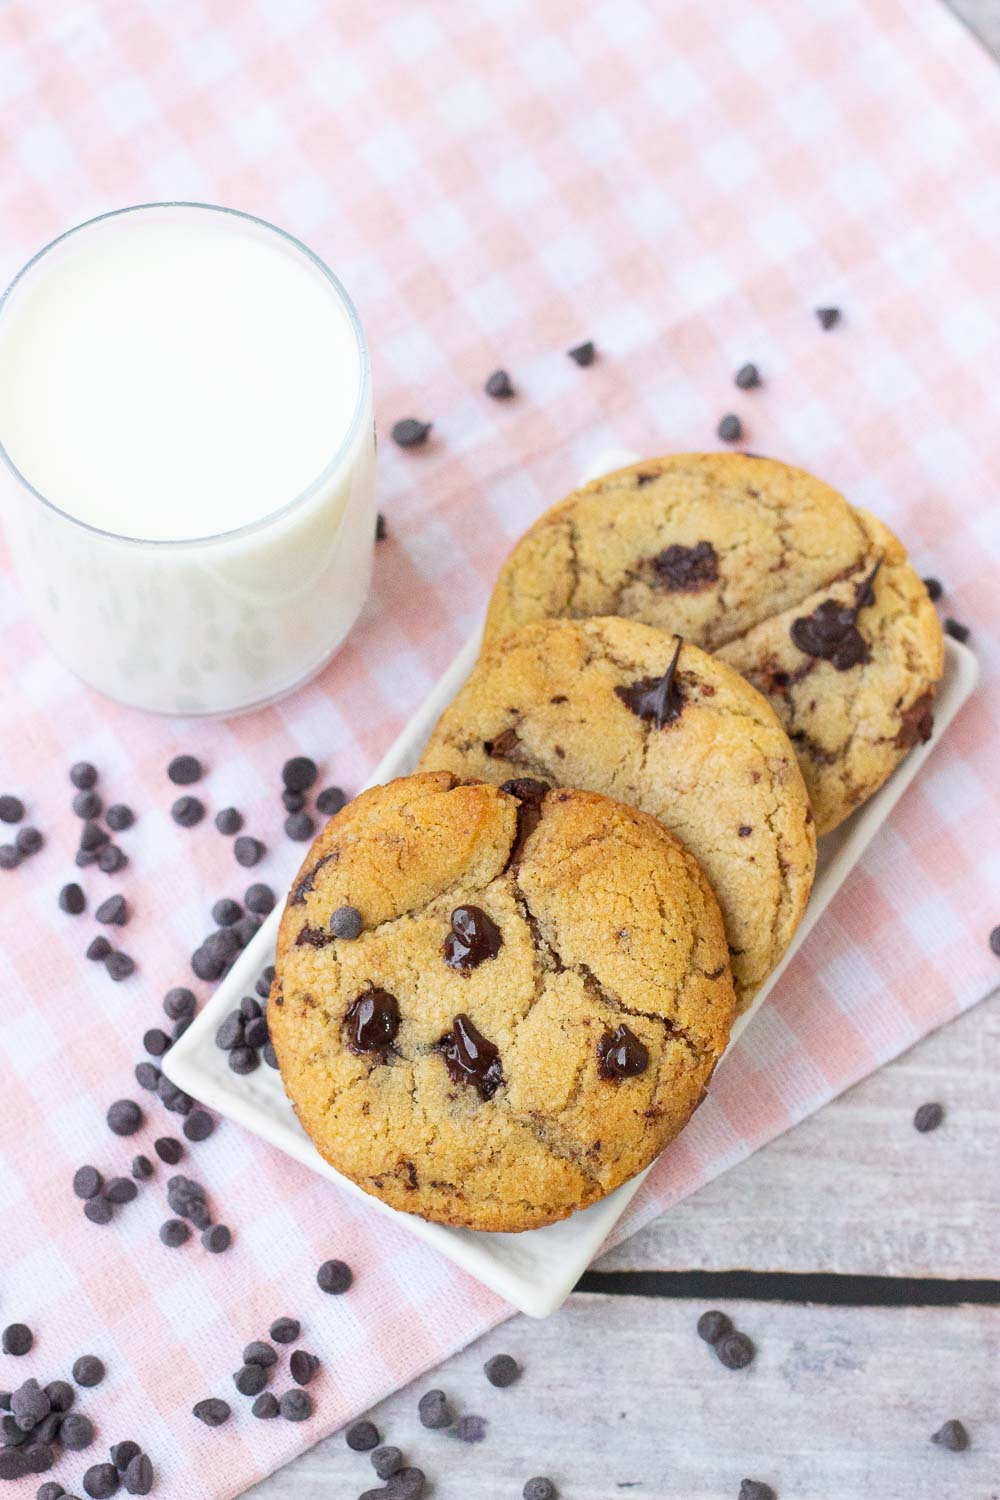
column 286, row 506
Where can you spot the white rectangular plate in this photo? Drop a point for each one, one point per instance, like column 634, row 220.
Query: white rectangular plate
column 535, row 1270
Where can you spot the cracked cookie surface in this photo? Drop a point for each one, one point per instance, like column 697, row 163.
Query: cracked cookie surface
column 729, row 551
column 600, row 980
column 561, row 700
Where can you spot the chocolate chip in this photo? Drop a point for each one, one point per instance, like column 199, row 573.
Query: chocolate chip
column 217, row 1238
column 285, row 1330
column 87, row 1182
column 248, row 851
column 713, row 1325
column 119, row 966
column 299, row 773
column 498, row 385
column 362, row 1436
column 142, row 1168
column 50, row 1490
column 730, row 429
column 828, row 317
column 583, row 354
column 119, row 816
column 269, row 1055
column 222, row 944
column 381, row 530
column 247, row 927
column 156, row 1041
column 187, row 811
column 199, row 1125
column 471, row 1058
column 88, row 804
column 38, row 1458
column 952, row 1436
column 113, row 912
column 539, row 1488
column 243, row 1060
column 29, row 1405
column 263, row 985
column 212, row 1411
column 956, row 631
column 735, row 1350
column 61, row 1395
column 28, row 841
column 657, row 698
column 250, row 1380
column 229, row 820
column 174, row 1233
column 386, row 1461
column 98, row 1211
column 88, row 1370
column 225, row 912
column 296, row 1406
column 934, row 589
column 474, row 937
column 686, row 570
column 122, row 1454
column 303, row 1367
column 101, row 1481
column 179, row 1003
column 433, row 1410
column 139, row 1474
column 124, row 1117
column 168, row 1149
column 256, row 1033
column 72, row 899
column 76, row 1431
column 206, row 966
column 120, row 1190
column 928, row 1117
column 259, row 898
column 756, row 1489
column 111, row 859
column 259, row 1353
column 333, row 1276
column 300, row 827
column 13, row 1464
column 330, row 801
column 83, row 775
column 346, row 923
column 92, row 838
column 372, row 1022
column 409, row 433
column 250, row 1008
column 502, row 1370
column 747, row 376
column 82, row 858
column 184, row 770
column 831, row 631
column 994, row 941
column 11, row 809
column 98, row 947
column 620, row 1054
column 293, row 801
column 10, row 857
column 147, row 1076
column 406, row 1484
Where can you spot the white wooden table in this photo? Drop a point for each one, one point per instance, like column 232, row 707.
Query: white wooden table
column 620, row 1397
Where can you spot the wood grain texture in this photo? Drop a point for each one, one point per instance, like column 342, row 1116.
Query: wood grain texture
column 855, row 1189
column 620, row 1397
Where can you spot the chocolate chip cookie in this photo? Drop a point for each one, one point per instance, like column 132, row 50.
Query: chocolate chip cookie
column 620, row 708
column 533, row 1007
column 773, row 569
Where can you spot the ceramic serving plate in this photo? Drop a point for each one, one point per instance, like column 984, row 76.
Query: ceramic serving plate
column 535, row 1270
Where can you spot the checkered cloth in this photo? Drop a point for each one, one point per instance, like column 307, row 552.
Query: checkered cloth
column 682, row 183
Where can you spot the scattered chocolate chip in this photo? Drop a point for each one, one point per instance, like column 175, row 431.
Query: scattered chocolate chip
column 470, row 1428
column 247, row 927
column 259, row 899
column 386, row 1461
column 83, row 775
column 956, row 631
column 101, row 1481
column 250, row 1008
column 139, row 1474
column 501, row 1370
column 88, row 804
column 286, row 1330
column 952, row 1436
column 381, row 530
column 928, row 1117
column 147, row 1076
column 735, row 1350
column 756, row 1489
column 119, row 816
column 498, row 385
column 38, row 1457
column 263, row 985
column 173, row 1233
column 142, row 1168
column 98, row 947
column 179, row 1002
column 229, row 820
column 934, row 589
column 362, row 1436
column 187, row 811
column 333, row 1276
column 713, row 1325
column 168, row 1149
column 828, row 317
column 217, row 1238
column 250, row 1380
column 184, row 770
column 76, row 1431
column 259, row 1353
column 212, row 1411
column 207, row 965
column 730, row 429
column 293, row 801
column 29, row 1405
column 299, row 773
column 156, row 1041
column 303, row 1367
column 10, row 857
column 87, row 1182
column 433, row 1410
column 113, row 912
column 296, row 1406
column 330, row 801
column 620, row 1054
column 92, row 838
column 13, row 1464
column 474, row 937
column 372, row 1022
column 124, row 1117
column 199, row 1125
column 583, row 354
column 122, row 1454
column 120, row 1190
column 98, row 1211
column 406, row 1484
column 539, row 1488
column 28, row 841
column 747, row 376
column 256, row 1033
column 111, row 859
column 50, row 1490
column 61, row 1395
column 266, row 1405
column 119, row 966
column 11, row 809
column 88, row 1370
column 248, row 851
column 225, row 912
column 409, row 433
column 72, row 899
column 243, row 1060
column 300, row 827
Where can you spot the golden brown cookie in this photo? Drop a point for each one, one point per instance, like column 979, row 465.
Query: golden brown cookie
column 729, row 551
column 534, row 1006
column 620, row 708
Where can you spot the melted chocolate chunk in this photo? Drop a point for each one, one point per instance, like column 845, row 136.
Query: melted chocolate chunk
column 656, row 698
column 831, row 631
column 916, row 723
column 372, row 1021
column 686, row 570
column 620, row 1054
column 473, row 938
column 504, row 747
column 313, row 937
column 530, row 795
column 307, row 882
column 470, row 1058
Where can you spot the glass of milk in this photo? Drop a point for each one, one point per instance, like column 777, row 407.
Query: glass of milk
column 187, row 464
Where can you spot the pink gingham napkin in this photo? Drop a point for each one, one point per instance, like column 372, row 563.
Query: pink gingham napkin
column 681, row 183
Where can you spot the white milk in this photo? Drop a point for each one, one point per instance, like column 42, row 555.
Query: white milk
column 186, row 391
